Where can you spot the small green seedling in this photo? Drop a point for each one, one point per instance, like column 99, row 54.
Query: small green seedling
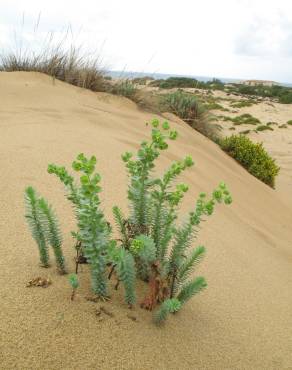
column 73, row 281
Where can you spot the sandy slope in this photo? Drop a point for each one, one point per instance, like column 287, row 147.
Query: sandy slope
column 277, row 142
column 242, row 321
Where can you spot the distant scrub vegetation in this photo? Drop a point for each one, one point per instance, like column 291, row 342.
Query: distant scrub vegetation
column 281, row 93
column 186, row 82
column 264, row 128
column 142, row 80
column 251, row 156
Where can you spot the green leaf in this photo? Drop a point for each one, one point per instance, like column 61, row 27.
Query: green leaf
column 168, row 306
column 191, row 288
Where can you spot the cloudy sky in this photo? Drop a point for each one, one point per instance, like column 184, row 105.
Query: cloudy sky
column 226, row 38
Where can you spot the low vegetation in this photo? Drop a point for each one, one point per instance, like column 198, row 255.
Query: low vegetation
column 215, row 106
column 68, row 65
column 251, row 156
column 186, row 82
column 282, row 94
column 45, row 228
column 73, row 281
column 243, row 119
column 124, row 88
column 142, row 80
column 153, row 245
column 243, row 103
column 289, row 122
column 245, row 132
column 191, row 110
column 264, row 128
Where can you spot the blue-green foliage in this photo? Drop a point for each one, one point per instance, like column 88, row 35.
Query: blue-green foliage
column 94, row 231
column 73, row 281
column 53, row 232
column 191, row 288
column 144, row 250
column 153, row 245
column 45, row 228
column 151, row 232
column 125, row 269
column 33, row 217
column 171, row 305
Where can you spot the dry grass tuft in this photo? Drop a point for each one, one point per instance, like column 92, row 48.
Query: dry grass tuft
column 67, row 64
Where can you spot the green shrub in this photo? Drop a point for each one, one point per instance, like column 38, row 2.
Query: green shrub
column 283, row 126
column 245, row 119
column 180, row 82
column 289, row 122
column 187, row 82
column 252, row 156
column 188, row 107
column 264, row 128
column 282, row 93
column 215, row 106
column 242, row 104
column 286, row 97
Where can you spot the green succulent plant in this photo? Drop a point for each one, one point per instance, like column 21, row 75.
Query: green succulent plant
column 153, row 245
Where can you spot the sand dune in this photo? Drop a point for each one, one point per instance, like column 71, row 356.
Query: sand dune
column 277, row 142
column 242, row 321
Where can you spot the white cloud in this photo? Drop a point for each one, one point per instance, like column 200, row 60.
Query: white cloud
column 231, row 38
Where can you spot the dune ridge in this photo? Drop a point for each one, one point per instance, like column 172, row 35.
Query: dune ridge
column 242, row 321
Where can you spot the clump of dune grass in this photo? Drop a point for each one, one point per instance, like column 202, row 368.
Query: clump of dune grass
column 191, row 110
column 289, row 122
column 283, row 126
column 68, row 64
column 124, row 88
column 271, row 123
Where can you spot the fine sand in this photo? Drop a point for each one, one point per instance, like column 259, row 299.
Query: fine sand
column 244, row 318
column 278, row 142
